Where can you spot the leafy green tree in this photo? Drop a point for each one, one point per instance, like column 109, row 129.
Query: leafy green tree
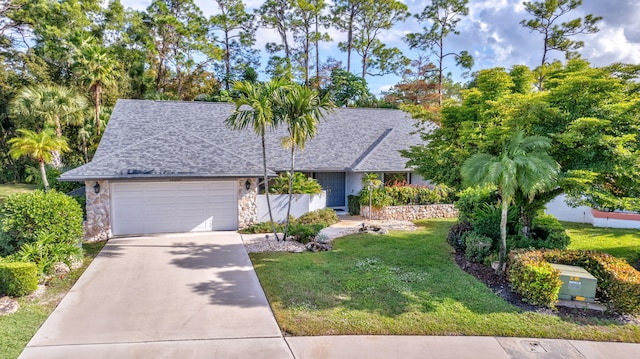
column 49, row 106
column 255, row 110
column 307, row 18
column 347, row 89
column 344, row 19
column 546, row 20
column 300, row 108
column 278, row 15
column 237, row 28
column 523, row 166
column 443, row 16
column 39, row 146
column 96, row 69
column 374, row 17
column 180, row 46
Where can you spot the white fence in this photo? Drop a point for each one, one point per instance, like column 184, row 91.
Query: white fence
column 301, row 204
column 561, row 210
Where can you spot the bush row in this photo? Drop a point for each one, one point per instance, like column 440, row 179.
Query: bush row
column 401, row 195
column 531, row 275
column 18, row 278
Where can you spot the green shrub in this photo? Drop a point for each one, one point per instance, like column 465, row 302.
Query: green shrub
column 534, row 278
column 45, row 252
column 402, row 195
column 456, row 233
column 301, row 184
column 379, row 197
column 618, row 282
column 473, row 198
column 478, row 246
column 325, row 217
column 354, row 204
column 18, row 278
column 304, row 233
column 25, row 216
column 546, row 232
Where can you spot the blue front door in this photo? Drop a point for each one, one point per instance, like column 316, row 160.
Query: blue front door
column 334, row 184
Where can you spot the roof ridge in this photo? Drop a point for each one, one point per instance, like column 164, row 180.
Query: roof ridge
column 370, row 149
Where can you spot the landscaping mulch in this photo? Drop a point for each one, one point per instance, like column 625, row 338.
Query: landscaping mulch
column 500, row 286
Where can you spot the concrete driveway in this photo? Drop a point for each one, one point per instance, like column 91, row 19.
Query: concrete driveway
column 189, row 295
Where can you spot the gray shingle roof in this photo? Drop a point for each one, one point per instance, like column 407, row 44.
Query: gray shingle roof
column 189, row 139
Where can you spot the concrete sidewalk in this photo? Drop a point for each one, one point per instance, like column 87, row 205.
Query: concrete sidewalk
column 410, row 347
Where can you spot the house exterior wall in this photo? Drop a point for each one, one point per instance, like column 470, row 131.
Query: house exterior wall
column 353, row 182
column 409, row 213
column 247, row 202
column 615, row 219
column 419, row 180
column 97, row 227
column 301, row 204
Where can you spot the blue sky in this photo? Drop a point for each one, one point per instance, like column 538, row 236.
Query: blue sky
column 491, row 33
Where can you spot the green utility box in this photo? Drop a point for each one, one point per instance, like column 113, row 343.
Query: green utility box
column 577, row 283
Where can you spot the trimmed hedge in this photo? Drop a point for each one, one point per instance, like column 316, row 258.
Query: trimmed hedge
column 478, row 246
column 26, row 216
column 354, row 204
column 618, row 282
column 18, row 278
column 534, row 278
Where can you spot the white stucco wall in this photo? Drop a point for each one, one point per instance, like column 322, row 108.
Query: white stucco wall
column 301, row 204
column 615, row 223
column 354, row 184
column 559, row 208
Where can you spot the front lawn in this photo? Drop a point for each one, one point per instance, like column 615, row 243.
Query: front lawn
column 7, row 190
column 621, row 243
column 17, row 329
column 404, row 283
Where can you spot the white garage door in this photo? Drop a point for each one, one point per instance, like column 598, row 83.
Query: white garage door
column 162, row 207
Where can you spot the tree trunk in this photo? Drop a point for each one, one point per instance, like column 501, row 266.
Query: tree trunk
column 286, row 228
column 317, row 55
column 266, row 185
column 502, row 254
column 227, row 60
column 56, row 119
column 43, row 173
column 440, row 71
column 350, row 40
column 97, row 99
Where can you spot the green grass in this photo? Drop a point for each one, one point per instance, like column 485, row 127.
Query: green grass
column 621, row 243
column 17, row 329
column 7, row 190
column 404, row 283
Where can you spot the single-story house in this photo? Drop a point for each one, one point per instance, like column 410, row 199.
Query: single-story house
column 165, row 166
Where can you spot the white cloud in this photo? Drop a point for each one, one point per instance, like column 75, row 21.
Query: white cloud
column 611, row 45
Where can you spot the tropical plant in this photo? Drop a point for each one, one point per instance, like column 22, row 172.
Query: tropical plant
column 50, row 106
column 301, row 184
column 524, row 166
column 300, row 108
column 96, row 69
column 254, row 109
column 39, row 146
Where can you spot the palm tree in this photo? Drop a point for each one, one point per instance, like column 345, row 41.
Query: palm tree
column 524, row 166
column 301, row 108
column 96, row 69
column 39, row 146
column 254, row 109
column 53, row 105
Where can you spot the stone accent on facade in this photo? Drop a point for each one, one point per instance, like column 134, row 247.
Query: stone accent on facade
column 409, row 213
column 247, row 202
column 97, row 227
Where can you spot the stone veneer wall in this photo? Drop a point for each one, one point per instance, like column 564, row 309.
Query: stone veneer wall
column 97, row 227
column 247, row 203
column 409, row 213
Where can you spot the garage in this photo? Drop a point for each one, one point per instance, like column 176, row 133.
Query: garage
column 168, row 207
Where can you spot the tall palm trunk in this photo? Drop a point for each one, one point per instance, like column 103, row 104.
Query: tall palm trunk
column 286, row 228
column 502, row 253
column 56, row 158
column 98, row 91
column 43, row 173
column 266, row 185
